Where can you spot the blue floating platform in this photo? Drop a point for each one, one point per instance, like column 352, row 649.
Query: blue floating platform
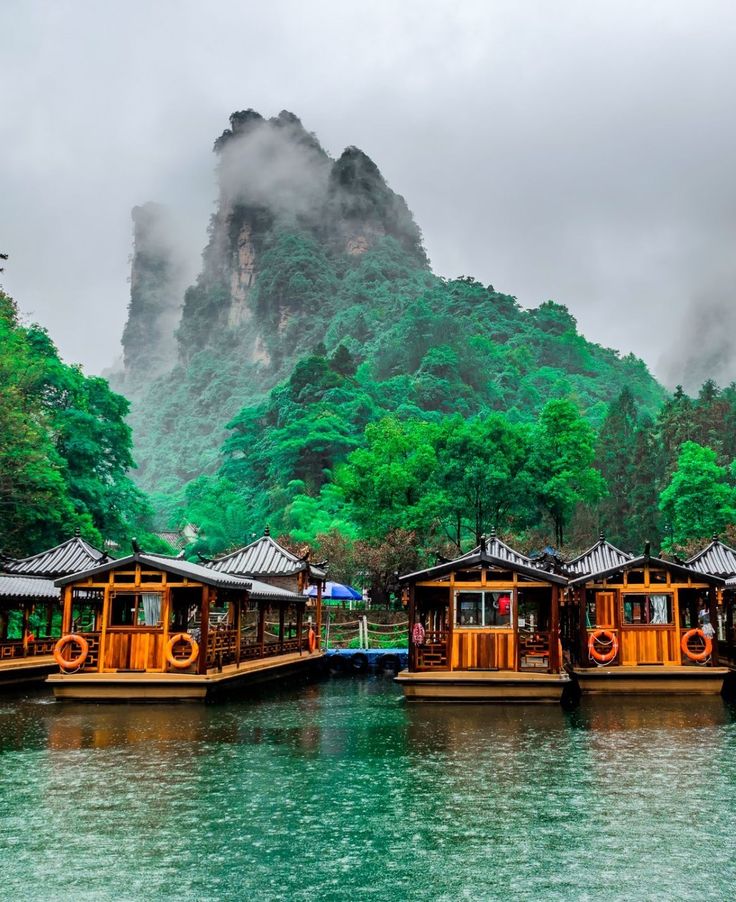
column 367, row 660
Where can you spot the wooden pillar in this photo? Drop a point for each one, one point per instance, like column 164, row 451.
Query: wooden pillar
column 728, row 602
column 66, row 611
column 24, row 627
column 204, row 629
column 102, row 654
column 580, row 594
column 318, row 625
column 713, row 611
column 554, row 632
column 166, row 624
column 238, row 626
column 412, row 615
column 282, row 611
column 299, row 618
column 262, row 628
column 49, row 617
column 3, row 624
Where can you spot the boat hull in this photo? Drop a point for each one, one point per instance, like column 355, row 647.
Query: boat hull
column 180, row 687
column 19, row 671
column 502, row 687
column 650, row 680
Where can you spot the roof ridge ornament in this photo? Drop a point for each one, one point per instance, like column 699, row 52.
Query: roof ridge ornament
column 602, row 537
column 77, row 532
column 267, row 530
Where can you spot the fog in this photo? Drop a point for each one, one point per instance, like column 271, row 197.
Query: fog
column 575, row 151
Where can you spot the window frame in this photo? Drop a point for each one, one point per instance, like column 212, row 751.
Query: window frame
column 135, row 625
column 483, row 593
column 671, row 623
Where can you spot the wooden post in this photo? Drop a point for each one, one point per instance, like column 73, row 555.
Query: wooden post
column 713, row 611
column 204, row 629
column 728, row 602
column 49, row 617
column 24, row 628
column 554, row 632
column 165, row 623
column 299, row 618
column 3, row 624
column 238, row 626
column 412, row 647
column 262, row 628
column 319, row 615
column 66, row 611
column 103, row 629
column 282, row 612
column 580, row 594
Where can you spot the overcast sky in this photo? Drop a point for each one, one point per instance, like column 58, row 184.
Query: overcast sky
column 581, row 151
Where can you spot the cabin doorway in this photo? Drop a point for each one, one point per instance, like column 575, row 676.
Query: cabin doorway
column 533, row 623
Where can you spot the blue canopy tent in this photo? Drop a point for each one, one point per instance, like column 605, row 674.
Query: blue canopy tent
column 336, row 592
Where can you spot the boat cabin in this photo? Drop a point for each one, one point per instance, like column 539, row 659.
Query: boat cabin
column 30, row 609
column 484, row 627
column 642, row 627
column 151, row 626
column 719, row 559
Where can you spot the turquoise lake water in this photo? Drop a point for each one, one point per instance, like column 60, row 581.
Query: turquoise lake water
column 342, row 791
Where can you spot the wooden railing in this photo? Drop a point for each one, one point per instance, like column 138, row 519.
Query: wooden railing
column 432, row 654
column 11, row 649
column 222, row 647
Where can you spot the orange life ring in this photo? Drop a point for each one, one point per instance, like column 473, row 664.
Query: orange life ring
column 71, row 663
column 604, row 657
column 182, row 663
column 312, row 640
column 696, row 656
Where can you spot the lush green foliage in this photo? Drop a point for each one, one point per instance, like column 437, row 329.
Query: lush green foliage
column 65, row 448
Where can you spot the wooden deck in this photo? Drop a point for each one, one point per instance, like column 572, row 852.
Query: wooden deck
column 499, row 686
column 178, row 687
column 16, row 671
column 642, row 679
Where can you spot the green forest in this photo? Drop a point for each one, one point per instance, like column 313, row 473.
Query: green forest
column 323, row 380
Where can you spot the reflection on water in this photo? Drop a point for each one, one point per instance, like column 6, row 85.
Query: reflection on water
column 341, row 791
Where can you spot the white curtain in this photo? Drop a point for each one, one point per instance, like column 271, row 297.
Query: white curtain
column 659, row 609
column 151, row 608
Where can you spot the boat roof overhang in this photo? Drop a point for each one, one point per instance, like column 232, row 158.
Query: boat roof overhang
column 483, row 559
column 644, row 561
column 187, row 570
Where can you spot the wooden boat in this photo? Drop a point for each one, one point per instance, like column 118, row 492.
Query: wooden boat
column 719, row 559
column 30, row 610
column 484, row 628
column 152, row 627
column 638, row 625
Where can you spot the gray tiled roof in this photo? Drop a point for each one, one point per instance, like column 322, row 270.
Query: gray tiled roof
column 27, row 587
column 497, row 548
column 70, row 557
column 717, row 558
column 601, row 556
column 264, row 557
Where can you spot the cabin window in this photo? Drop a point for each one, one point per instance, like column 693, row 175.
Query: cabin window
column 648, row 610
column 135, row 609
column 484, row 609
column 635, row 577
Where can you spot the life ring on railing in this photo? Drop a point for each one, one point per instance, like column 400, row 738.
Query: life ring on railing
column 312, row 640
column 603, row 657
column 698, row 657
column 418, row 634
column 182, row 663
column 71, row 663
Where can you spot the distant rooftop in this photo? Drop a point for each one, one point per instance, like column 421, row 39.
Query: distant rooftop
column 264, row 557
column 601, row 556
column 716, row 558
column 70, row 557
